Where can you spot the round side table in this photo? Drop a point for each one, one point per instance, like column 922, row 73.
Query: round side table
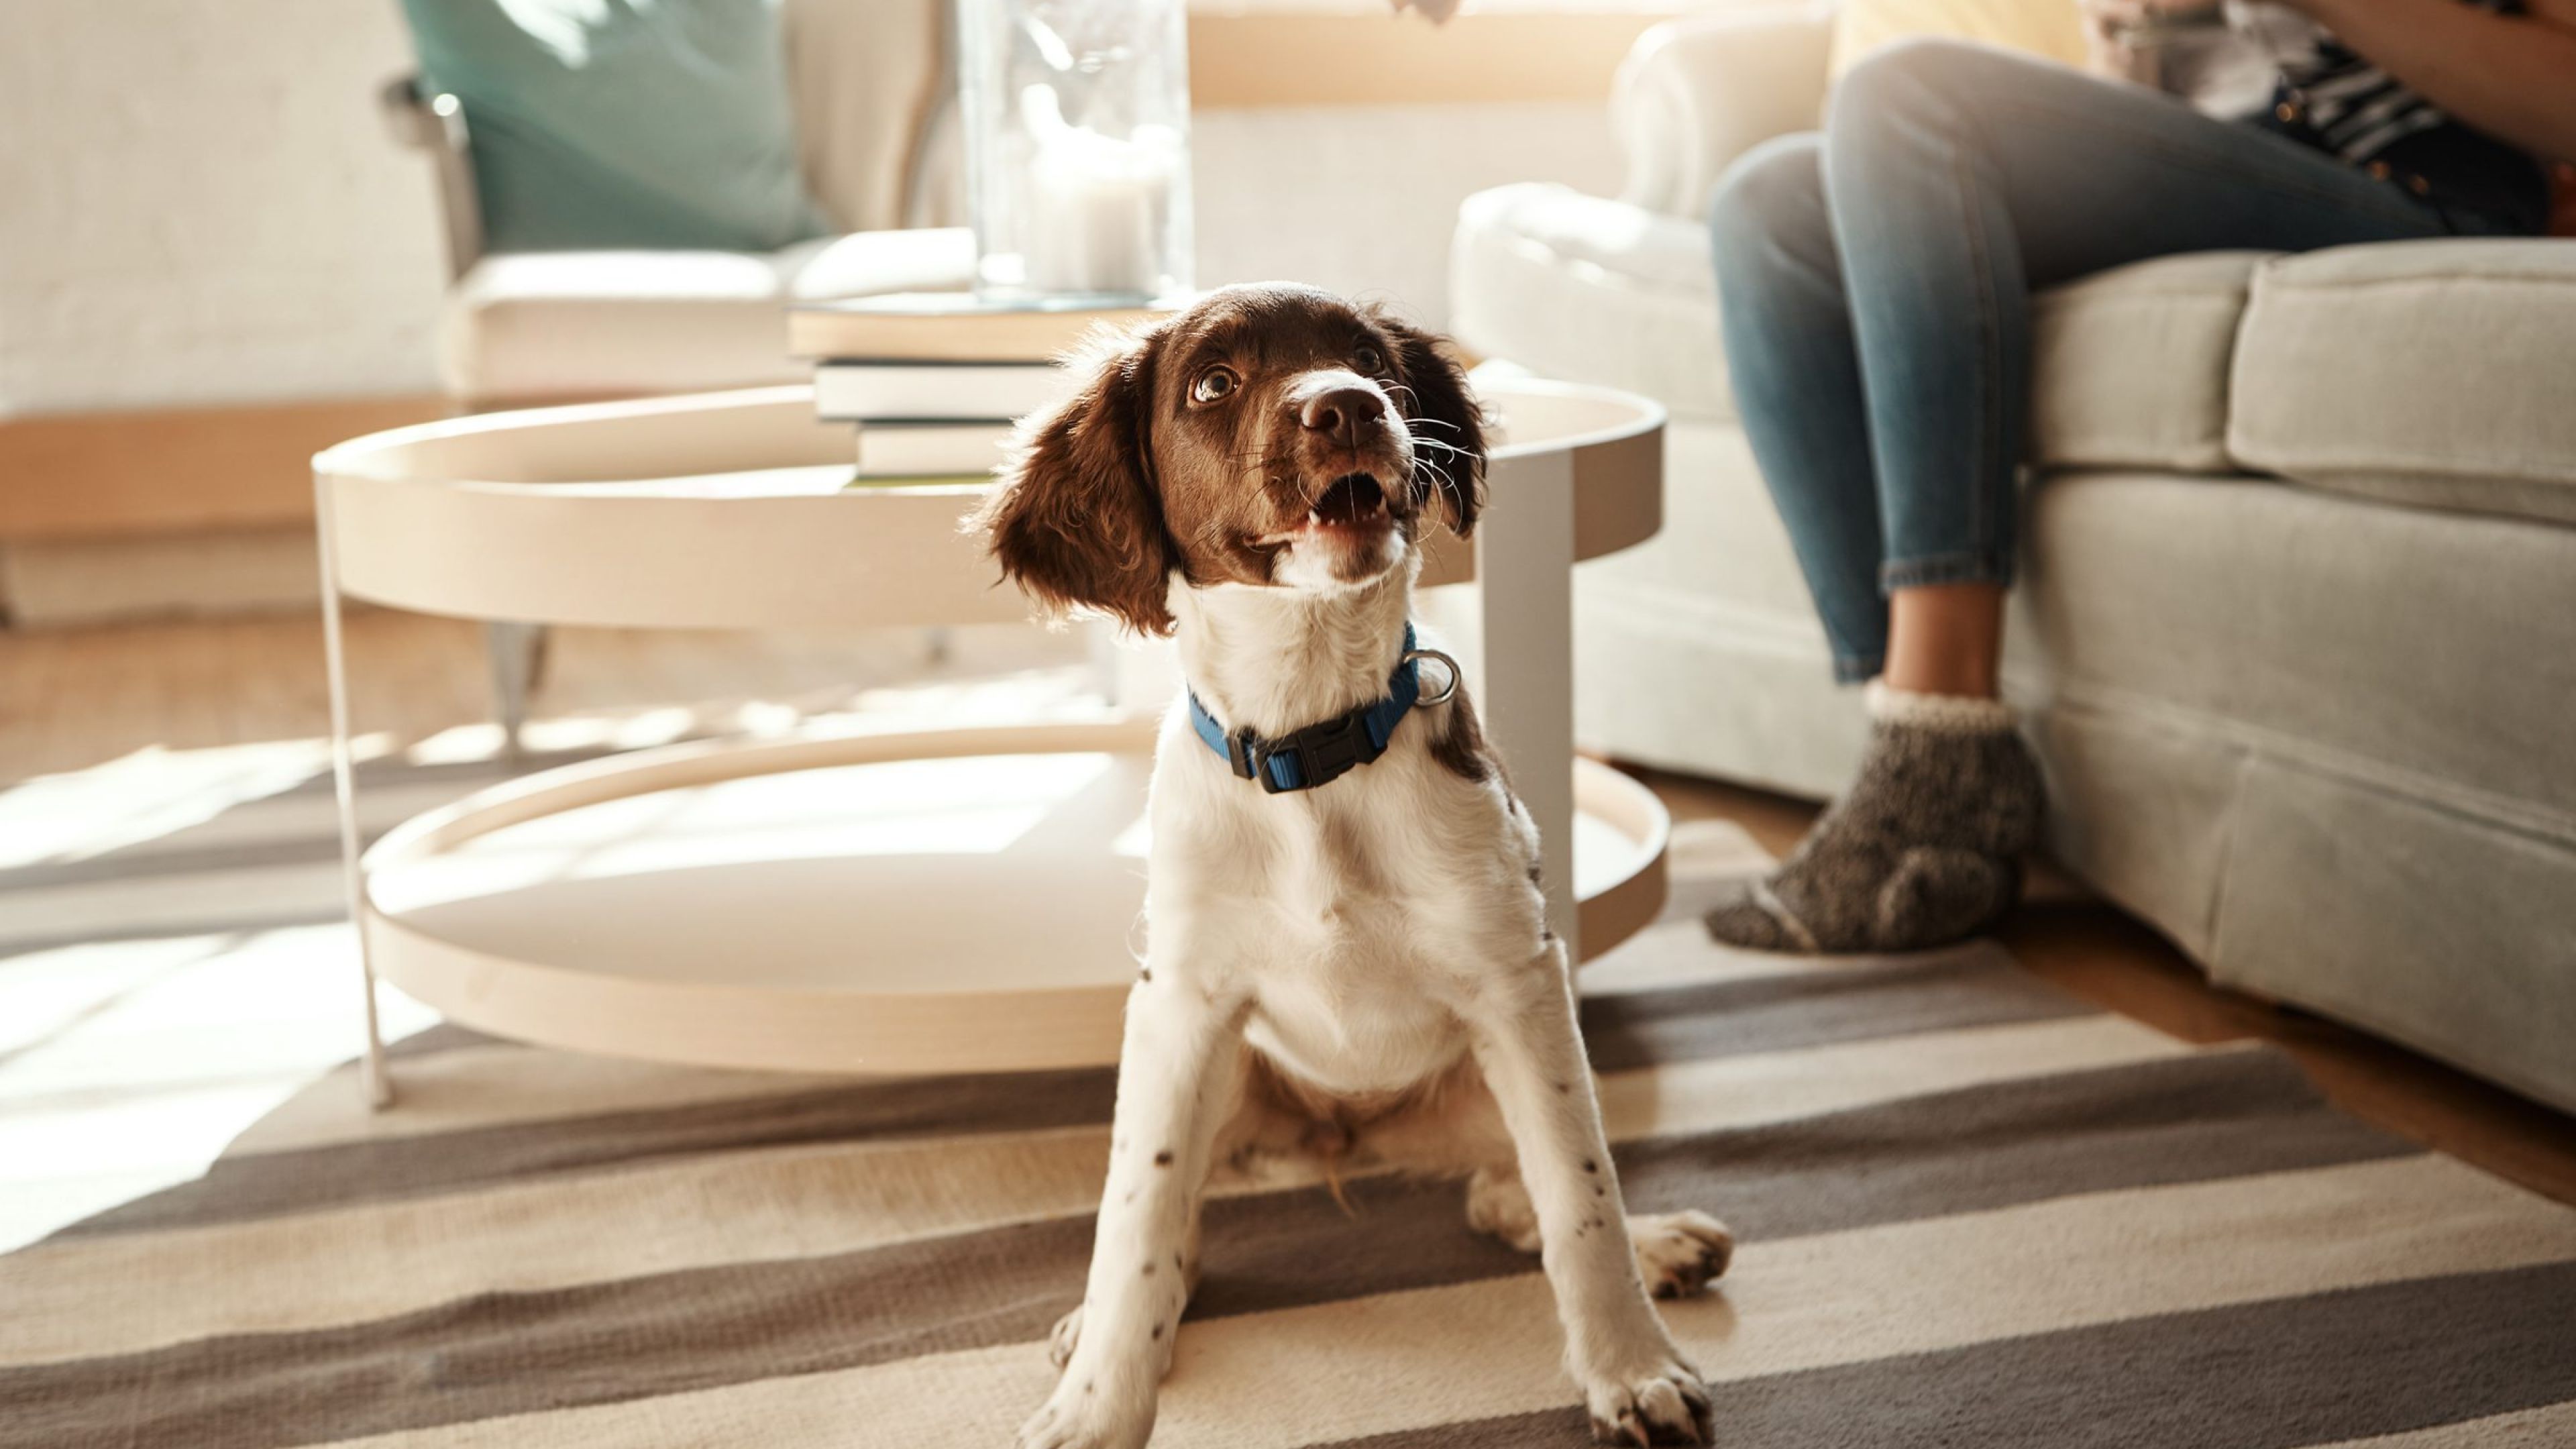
column 952, row 900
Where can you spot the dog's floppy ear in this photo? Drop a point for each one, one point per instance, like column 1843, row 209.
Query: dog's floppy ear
column 1448, row 426
column 1076, row 521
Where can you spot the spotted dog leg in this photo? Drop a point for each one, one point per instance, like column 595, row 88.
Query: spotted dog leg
column 1678, row 1254
column 1177, row 1081
column 1639, row 1388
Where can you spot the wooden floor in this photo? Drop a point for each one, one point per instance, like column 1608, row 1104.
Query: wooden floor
column 73, row 699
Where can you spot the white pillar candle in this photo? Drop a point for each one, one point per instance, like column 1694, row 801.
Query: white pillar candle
column 1099, row 206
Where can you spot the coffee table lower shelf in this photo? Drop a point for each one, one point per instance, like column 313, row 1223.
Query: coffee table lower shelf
column 961, row 900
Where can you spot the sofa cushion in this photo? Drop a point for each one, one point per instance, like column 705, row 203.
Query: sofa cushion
column 2426, row 373
column 2430, row 373
column 1581, row 287
column 2131, row 364
column 554, row 325
column 622, row 125
column 559, row 325
column 868, row 263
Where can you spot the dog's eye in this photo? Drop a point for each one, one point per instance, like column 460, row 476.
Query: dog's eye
column 1211, row 385
column 1371, row 361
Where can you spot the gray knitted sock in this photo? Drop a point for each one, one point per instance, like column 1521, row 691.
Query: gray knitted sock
column 1924, row 849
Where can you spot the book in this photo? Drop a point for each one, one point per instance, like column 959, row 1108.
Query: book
column 953, row 327
column 919, row 480
column 922, row 450
column 865, row 390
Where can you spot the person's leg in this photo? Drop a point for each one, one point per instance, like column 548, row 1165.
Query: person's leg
column 1795, row 368
column 1946, row 639
column 1960, row 177
column 1956, row 178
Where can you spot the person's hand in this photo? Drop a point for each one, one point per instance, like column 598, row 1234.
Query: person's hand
column 2120, row 36
column 2108, row 24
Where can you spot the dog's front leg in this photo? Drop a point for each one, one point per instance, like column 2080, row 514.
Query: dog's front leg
column 1179, row 1076
column 1638, row 1386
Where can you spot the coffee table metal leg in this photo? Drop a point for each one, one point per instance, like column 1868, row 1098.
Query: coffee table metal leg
column 1525, row 578
column 378, row 1081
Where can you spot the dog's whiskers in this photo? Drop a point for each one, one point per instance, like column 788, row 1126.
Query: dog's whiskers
column 1395, row 388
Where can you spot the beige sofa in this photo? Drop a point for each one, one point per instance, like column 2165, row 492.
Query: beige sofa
column 2297, row 632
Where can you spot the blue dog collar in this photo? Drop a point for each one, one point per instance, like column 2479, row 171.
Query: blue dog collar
column 1323, row 752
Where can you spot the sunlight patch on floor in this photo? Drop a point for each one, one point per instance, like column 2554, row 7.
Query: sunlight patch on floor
column 147, row 794
column 134, row 1063
column 128, row 1066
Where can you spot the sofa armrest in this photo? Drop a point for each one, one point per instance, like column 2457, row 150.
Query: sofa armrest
column 435, row 125
column 1698, row 92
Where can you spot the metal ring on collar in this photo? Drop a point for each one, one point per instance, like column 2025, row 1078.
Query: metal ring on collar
column 1425, row 701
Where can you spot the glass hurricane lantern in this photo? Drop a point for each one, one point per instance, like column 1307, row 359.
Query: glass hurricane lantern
column 1077, row 116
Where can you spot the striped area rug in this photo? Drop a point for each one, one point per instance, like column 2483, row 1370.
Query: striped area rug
column 1974, row 1211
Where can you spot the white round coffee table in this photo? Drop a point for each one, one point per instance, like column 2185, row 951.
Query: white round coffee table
column 930, row 901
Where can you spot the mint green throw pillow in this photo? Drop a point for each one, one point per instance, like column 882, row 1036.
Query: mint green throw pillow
column 657, row 124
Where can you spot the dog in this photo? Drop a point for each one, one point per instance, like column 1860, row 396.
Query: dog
column 1347, row 950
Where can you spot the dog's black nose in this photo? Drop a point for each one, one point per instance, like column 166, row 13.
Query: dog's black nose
column 1344, row 414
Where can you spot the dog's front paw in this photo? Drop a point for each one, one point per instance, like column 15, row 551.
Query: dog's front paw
column 1083, row 1413
column 1665, row 1404
column 1065, row 1339
column 1678, row 1254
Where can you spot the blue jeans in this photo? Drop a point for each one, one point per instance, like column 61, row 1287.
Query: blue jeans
column 1875, row 285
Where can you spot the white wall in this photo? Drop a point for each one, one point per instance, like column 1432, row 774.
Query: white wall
column 198, row 204
column 1362, row 199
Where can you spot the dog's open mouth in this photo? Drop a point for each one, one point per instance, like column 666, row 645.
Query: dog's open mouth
column 1354, row 500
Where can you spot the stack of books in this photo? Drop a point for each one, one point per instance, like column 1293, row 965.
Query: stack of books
column 936, row 380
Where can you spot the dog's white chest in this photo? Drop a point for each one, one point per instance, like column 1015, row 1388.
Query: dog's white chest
column 1346, row 909
column 1343, row 999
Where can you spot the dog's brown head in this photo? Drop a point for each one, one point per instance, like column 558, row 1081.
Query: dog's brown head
column 1270, row 435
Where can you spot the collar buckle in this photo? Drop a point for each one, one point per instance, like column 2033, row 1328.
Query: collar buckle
column 1323, row 752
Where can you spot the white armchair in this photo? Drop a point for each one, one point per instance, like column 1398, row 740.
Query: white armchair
column 868, row 82
column 2297, row 626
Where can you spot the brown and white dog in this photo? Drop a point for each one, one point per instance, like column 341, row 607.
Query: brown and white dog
column 1363, row 967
